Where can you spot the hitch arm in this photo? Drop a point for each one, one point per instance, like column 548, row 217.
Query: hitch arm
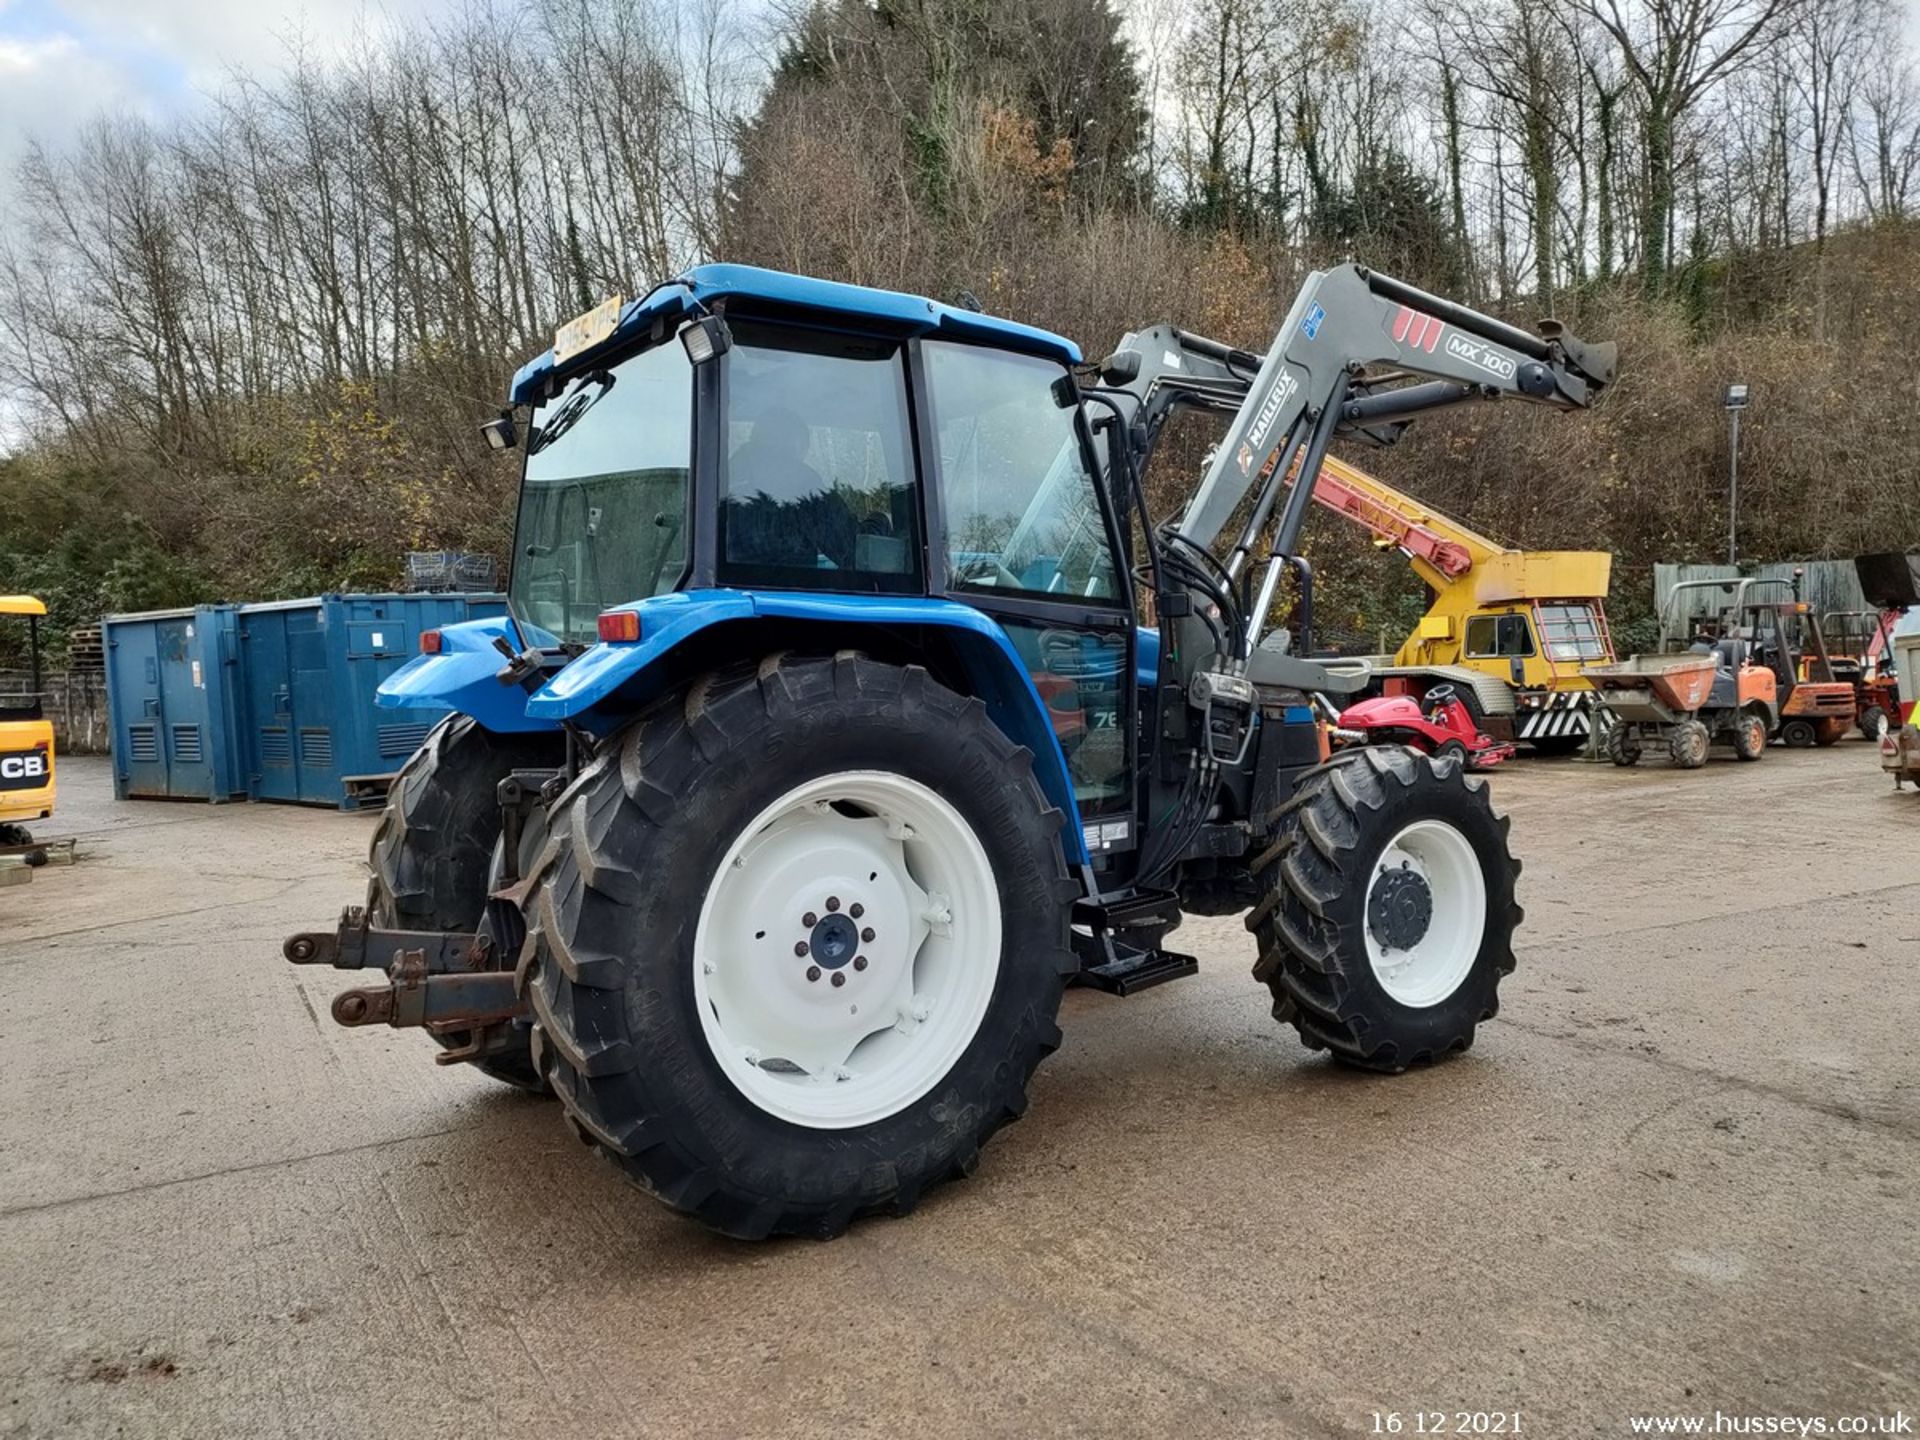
column 442, row 981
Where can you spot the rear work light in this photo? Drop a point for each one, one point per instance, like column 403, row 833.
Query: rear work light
column 429, row 642
column 620, row 627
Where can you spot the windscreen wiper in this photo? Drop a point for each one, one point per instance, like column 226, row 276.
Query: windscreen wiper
column 572, row 409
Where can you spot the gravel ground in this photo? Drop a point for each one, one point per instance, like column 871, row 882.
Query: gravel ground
column 1678, row 1174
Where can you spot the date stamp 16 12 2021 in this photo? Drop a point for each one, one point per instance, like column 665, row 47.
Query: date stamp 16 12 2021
column 1446, row 1422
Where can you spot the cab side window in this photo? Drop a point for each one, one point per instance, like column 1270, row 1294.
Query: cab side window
column 1498, row 637
column 818, row 488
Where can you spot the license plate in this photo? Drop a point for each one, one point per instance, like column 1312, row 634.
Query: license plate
column 583, row 332
column 23, row 769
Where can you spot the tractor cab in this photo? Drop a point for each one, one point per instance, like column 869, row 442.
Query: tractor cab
column 26, row 735
column 796, row 441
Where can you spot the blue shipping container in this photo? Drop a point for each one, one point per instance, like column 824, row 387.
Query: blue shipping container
column 170, row 704
column 308, row 672
column 272, row 701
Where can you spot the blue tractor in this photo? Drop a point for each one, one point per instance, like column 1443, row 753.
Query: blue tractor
column 851, row 704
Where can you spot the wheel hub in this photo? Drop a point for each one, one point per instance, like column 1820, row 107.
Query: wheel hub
column 847, row 949
column 1426, row 913
column 1400, row 908
column 833, row 942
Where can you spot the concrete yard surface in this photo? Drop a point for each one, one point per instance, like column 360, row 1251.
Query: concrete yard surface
column 1680, row 1173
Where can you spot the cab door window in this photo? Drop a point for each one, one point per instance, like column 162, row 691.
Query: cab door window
column 1020, row 502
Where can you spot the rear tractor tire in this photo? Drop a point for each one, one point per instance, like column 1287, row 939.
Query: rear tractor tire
column 1623, row 745
column 1388, row 918
column 1687, row 742
column 1750, row 736
column 432, row 853
column 798, row 942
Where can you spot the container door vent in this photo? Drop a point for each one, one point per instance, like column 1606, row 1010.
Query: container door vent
column 143, row 744
column 186, row 744
column 276, row 747
column 316, row 748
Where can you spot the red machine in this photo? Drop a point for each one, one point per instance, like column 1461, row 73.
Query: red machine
column 1444, row 727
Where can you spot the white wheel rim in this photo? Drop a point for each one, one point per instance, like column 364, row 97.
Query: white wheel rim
column 1433, row 967
column 891, row 860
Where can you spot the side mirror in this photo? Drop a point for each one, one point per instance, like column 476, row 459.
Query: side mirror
column 500, row 432
column 1120, row 367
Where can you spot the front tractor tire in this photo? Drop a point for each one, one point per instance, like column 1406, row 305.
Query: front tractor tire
column 1388, row 918
column 798, row 943
column 432, row 853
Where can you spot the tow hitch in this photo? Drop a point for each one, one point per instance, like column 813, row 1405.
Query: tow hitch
column 443, row 982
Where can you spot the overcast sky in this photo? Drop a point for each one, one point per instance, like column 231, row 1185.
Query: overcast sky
column 64, row 60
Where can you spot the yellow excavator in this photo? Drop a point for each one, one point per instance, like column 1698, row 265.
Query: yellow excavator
column 1508, row 629
column 26, row 736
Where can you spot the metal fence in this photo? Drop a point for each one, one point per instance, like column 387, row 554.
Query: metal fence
column 1827, row 585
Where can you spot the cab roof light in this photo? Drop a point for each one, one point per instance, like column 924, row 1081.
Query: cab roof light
column 705, row 338
column 430, row 642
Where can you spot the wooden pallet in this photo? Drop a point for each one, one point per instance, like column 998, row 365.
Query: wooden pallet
column 85, row 651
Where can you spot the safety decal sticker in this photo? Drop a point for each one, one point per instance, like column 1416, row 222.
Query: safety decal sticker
column 1310, row 327
column 1416, row 331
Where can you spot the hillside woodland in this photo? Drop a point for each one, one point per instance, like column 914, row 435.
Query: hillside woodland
column 245, row 352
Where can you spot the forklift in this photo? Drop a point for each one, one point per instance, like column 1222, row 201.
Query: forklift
column 26, row 735
column 1817, row 704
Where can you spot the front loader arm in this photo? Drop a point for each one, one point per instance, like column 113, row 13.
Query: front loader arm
column 1315, row 382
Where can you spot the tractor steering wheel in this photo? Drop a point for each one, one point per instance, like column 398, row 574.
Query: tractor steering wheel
column 990, row 571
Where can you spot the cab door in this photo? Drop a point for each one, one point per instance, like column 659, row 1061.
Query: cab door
column 1023, row 533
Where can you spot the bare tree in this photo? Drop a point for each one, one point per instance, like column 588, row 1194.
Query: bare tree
column 1675, row 52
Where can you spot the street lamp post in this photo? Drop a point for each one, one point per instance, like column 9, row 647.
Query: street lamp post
column 1736, row 401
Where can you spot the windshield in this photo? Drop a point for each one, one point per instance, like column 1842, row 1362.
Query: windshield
column 1572, row 632
column 603, row 502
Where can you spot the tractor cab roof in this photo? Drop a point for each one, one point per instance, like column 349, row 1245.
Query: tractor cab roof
column 21, row 605
column 747, row 289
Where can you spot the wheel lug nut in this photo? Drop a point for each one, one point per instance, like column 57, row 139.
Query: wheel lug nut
column 800, row 947
column 809, row 919
column 813, row 972
column 833, row 902
column 859, row 962
column 839, row 978
column 867, row 934
column 856, row 910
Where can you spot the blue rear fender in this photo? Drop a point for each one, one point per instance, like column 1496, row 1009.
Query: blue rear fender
column 462, row 678
column 605, row 685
